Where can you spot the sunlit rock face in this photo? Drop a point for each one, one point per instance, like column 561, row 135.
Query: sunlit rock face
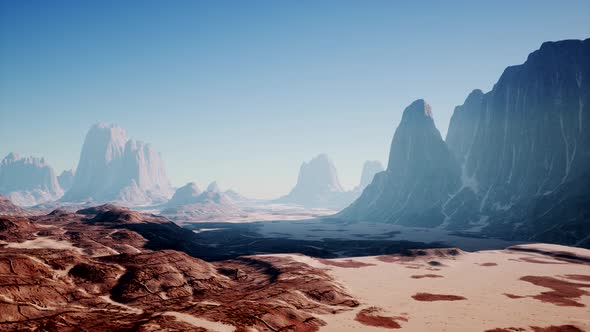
column 114, row 168
column 318, row 186
column 421, row 175
column 28, row 181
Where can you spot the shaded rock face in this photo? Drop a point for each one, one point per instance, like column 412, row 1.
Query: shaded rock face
column 107, row 268
column 519, row 162
column 464, row 125
column 114, row 168
column 65, row 179
column 370, row 168
column 525, row 144
column 28, row 181
column 421, row 175
column 318, row 186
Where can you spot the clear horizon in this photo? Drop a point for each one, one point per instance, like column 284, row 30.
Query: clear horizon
column 243, row 94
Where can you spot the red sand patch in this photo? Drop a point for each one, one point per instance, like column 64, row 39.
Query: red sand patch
column 371, row 317
column 427, row 297
column 512, row 296
column 562, row 328
column 578, row 277
column 563, row 292
column 488, row 264
column 349, row 263
column 426, row 276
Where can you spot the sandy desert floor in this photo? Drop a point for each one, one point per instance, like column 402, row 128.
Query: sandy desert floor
column 498, row 290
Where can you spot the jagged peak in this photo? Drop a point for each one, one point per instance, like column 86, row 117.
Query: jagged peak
column 416, row 110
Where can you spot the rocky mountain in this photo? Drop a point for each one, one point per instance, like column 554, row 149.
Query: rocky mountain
column 370, row 168
column 318, row 186
column 113, row 167
column 187, row 194
column 28, row 181
column 65, row 179
column 421, row 175
column 520, row 157
column 189, row 202
column 529, row 154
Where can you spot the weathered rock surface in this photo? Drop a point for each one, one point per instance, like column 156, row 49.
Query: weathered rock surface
column 109, row 268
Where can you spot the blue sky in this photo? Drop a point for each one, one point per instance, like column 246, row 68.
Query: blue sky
column 243, row 91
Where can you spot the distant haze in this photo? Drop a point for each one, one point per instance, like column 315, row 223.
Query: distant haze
column 243, row 93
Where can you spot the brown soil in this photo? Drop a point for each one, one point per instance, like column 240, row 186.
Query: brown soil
column 428, row 297
column 372, row 317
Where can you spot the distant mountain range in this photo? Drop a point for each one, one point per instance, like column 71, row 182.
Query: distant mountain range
column 318, row 185
column 515, row 163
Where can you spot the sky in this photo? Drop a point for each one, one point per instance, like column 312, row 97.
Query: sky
column 243, row 92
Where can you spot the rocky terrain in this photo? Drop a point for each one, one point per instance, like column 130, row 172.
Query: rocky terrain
column 28, row 181
column 114, row 168
column 515, row 160
column 108, row 268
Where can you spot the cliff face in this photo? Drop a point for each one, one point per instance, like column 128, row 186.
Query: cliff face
column 531, row 136
column 422, row 173
column 114, row 168
column 533, row 143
